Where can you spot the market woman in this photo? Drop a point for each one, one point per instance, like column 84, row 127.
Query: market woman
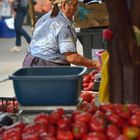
column 54, row 39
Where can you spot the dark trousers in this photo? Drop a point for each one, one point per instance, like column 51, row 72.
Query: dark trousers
column 19, row 19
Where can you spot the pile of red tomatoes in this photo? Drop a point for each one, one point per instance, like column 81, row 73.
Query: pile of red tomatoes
column 88, row 80
column 87, row 122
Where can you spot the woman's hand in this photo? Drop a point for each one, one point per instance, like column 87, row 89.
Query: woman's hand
column 97, row 65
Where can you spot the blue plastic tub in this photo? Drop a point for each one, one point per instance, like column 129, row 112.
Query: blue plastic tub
column 44, row 86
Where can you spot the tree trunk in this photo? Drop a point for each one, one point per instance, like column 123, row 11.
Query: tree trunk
column 135, row 12
column 135, row 16
column 123, row 70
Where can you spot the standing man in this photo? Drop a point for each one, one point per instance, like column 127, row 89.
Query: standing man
column 20, row 8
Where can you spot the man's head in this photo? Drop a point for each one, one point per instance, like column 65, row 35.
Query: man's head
column 68, row 7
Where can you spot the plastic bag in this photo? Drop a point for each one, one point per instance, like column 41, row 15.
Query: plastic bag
column 104, row 89
column 10, row 23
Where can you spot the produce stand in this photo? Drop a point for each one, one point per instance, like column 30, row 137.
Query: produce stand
column 115, row 120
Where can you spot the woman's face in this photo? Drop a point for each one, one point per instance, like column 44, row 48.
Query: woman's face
column 70, row 8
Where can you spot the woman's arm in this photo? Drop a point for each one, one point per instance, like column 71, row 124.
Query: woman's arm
column 77, row 59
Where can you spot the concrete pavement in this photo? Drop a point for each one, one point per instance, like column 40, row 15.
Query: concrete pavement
column 10, row 62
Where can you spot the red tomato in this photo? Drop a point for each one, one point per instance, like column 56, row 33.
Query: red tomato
column 74, row 114
column 51, row 130
column 64, row 135
column 42, row 118
column 79, row 129
column 83, row 117
column 93, row 78
column 45, row 136
column 88, row 88
column 83, row 106
column 34, row 136
column 10, row 108
column 136, row 111
column 132, row 107
column 40, row 127
column 138, row 138
column 91, row 84
column 95, row 136
column 97, row 124
column 48, row 138
column 106, row 107
column 34, row 128
column 87, row 96
column 12, row 133
column 86, row 78
column 85, row 85
column 64, row 123
column 123, row 111
column 56, row 115
column 92, row 108
column 114, row 118
column 112, row 131
column 93, row 72
column 135, row 120
column 2, row 129
column 122, row 137
column 99, row 113
column 29, row 128
column 60, row 111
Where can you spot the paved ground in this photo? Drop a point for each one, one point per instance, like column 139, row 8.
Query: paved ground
column 10, row 62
